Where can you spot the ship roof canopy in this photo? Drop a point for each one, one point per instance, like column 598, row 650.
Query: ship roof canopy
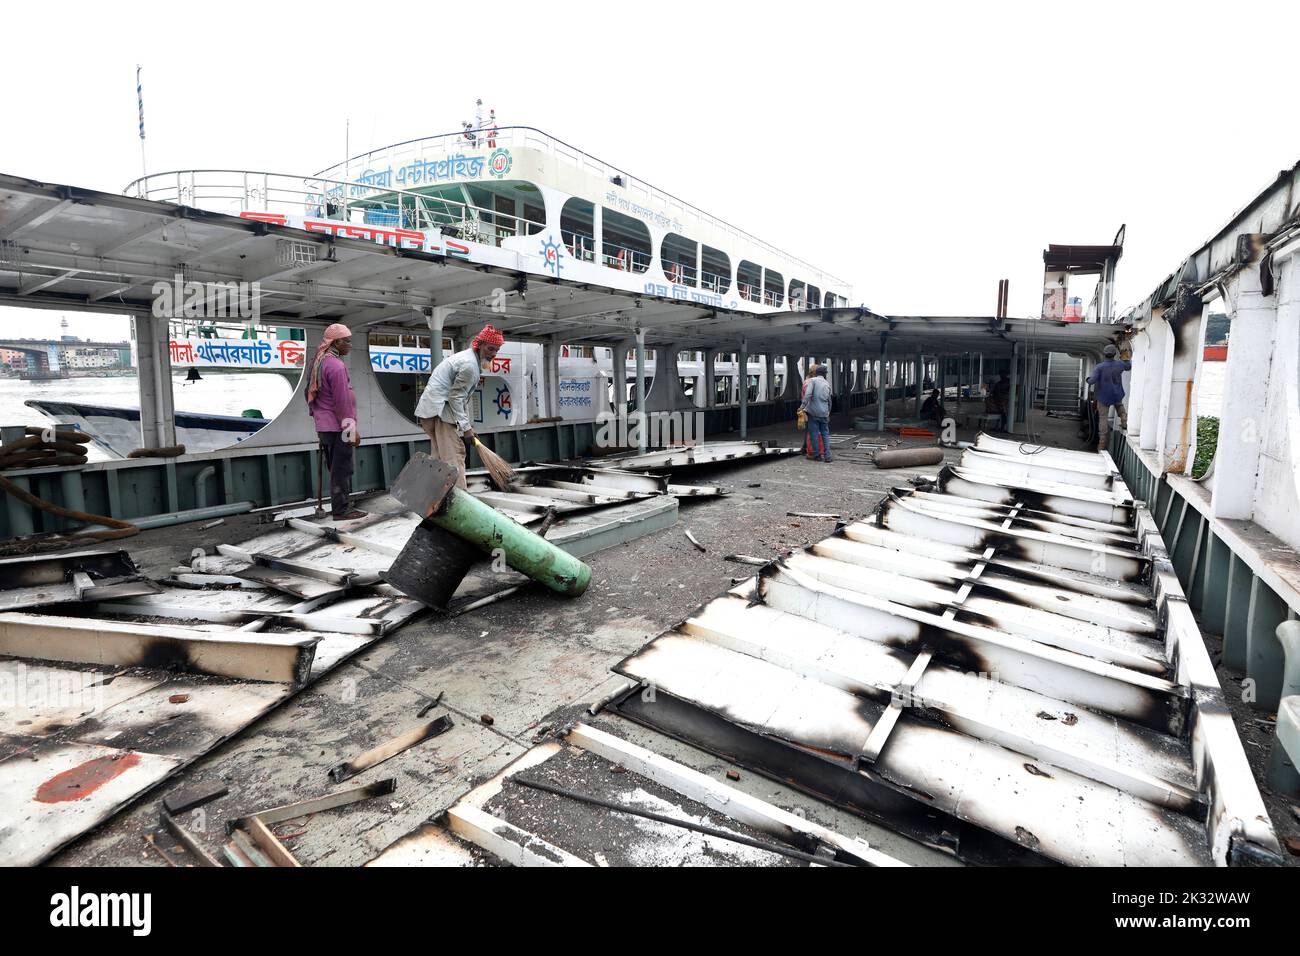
column 63, row 247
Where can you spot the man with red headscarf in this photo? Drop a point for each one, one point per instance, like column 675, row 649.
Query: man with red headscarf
column 443, row 409
column 333, row 407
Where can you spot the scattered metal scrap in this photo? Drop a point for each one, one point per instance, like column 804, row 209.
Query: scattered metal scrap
column 31, row 582
column 672, row 460
column 691, row 538
column 1103, row 738
column 186, row 800
column 385, row 751
column 186, row 839
column 342, row 798
column 717, row 832
column 470, row 821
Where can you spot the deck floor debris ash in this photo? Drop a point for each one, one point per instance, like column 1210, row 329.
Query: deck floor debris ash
column 1011, row 673
column 117, row 688
column 667, row 815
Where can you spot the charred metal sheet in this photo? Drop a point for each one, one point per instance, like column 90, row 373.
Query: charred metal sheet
column 1073, row 677
column 649, row 785
column 296, row 585
column 974, row 780
column 259, row 657
column 998, row 656
column 1043, row 496
column 56, row 790
column 1029, row 545
column 691, row 456
column 69, row 578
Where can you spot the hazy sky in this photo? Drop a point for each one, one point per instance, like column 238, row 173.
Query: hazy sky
column 920, row 151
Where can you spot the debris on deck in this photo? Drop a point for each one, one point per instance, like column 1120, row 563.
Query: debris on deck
column 229, row 636
column 1008, row 672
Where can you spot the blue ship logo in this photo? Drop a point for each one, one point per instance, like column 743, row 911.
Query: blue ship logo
column 551, row 253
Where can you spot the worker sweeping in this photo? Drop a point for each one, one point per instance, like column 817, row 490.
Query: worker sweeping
column 443, row 409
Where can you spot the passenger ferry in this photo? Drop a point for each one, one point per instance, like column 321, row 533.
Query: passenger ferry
column 518, row 198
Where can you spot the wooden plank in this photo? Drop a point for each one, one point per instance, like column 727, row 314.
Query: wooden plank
column 246, row 847
column 266, row 841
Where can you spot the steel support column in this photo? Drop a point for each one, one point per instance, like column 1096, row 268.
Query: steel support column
column 742, row 374
column 642, row 423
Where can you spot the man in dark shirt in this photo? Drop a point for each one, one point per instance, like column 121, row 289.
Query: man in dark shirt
column 999, row 400
column 932, row 409
column 1108, row 381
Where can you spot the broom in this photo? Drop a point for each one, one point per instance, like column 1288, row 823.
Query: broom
column 498, row 468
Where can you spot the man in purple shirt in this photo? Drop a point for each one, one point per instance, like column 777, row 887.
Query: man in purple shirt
column 333, row 407
column 1108, row 380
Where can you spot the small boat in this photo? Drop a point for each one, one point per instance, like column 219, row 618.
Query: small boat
column 116, row 431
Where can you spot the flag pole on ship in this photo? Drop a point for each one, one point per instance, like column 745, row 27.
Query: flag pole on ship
column 139, row 95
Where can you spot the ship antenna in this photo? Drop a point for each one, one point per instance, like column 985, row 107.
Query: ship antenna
column 139, row 95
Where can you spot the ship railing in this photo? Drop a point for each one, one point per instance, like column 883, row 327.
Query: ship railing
column 620, row 184
column 625, row 258
column 239, row 191
column 714, row 282
column 679, row 273
column 580, row 247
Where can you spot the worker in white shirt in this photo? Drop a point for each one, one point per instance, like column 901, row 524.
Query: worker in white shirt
column 443, row 409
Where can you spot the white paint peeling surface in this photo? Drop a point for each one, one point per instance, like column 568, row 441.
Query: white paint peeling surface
column 1063, row 701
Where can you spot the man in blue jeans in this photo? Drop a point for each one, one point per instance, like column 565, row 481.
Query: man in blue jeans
column 1108, row 379
column 817, row 406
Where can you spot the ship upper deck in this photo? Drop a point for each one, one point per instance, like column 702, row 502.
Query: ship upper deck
column 412, row 157
column 509, row 190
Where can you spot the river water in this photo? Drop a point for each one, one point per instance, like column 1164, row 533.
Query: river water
column 217, row 394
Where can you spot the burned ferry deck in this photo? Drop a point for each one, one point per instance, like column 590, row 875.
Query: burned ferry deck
column 995, row 660
column 517, row 678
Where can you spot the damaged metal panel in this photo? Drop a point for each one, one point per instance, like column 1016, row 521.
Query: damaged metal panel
column 692, row 456
column 1102, row 748
column 686, row 797
column 1030, row 545
column 69, row 578
column 55, row 791
column 1045, row 496
column 1009, row 608
column 1027, row 469
column 260, row 657
column 1066, row 675
column 1066, row 602
column 952, row 773
column 80, row 766
column 1005, row 661
column 1077, row 581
